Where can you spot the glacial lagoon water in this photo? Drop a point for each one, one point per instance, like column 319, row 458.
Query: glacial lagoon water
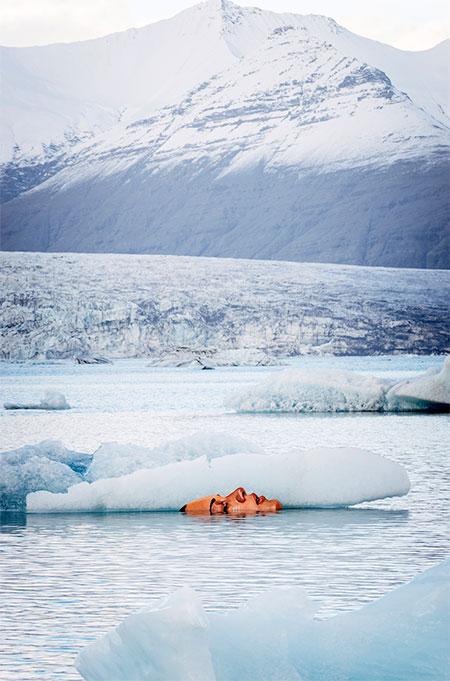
column 67, row 579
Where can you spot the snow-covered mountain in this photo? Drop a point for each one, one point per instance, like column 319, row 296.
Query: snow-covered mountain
column 144, row 305
column 229, row 131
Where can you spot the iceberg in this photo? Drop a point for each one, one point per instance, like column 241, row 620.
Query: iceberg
column 112, row 460
column 213, row 357
column 47, row 465
column 321, row 477
column 51, row 466
column 86, row 359
column 330, row 390
column 402, row 635
column 430, row 391
column 51, row 400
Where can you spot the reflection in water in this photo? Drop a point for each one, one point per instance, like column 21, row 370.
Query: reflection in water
column 10, row 521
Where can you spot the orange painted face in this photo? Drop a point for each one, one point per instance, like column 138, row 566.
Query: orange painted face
column 235, row 503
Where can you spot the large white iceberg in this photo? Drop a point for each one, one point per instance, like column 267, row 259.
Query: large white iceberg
column 49, row 465
column 403, row 635
column 317, row 478
column 51, row 400
column 330, row 390
column 112, row 460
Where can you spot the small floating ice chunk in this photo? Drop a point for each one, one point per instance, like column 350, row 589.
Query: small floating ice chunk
column 430, row 391
column 317, row 478
column 403, row 635
column 51, row 400
column 85, row 359
column 212, row 357
column 112, row 460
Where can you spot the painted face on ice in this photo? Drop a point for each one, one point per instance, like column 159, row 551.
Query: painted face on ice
column 238, row 502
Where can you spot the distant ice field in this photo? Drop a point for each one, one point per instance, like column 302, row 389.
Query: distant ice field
column 73, row 577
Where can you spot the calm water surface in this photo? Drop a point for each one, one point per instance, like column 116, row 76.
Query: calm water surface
column 67, row 579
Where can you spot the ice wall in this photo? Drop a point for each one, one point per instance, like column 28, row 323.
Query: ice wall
column 330, row 390
column 403, row 635
column 128, row 305
column 317, row 478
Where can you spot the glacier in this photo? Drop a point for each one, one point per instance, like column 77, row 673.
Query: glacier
column 256, row 135
column 330, row 390
column 152, row 306
column 322, row 477
column 402, row 635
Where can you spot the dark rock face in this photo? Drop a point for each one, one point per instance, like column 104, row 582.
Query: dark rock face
column 395, row 216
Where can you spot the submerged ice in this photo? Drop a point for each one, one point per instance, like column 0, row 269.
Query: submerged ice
column 330, row 390
column 317, row 478
column 403, row 635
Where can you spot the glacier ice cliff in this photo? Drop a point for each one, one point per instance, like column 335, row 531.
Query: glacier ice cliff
column 69, row 305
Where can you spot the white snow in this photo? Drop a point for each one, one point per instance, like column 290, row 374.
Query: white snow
column 317, row 478
column 87, row 86
column 51, row 400
column 329, row 390
column 402, row 635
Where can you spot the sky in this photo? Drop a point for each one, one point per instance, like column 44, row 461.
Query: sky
column 407, row 24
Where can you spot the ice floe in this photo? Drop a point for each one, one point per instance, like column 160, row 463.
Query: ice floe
column 87, row 359
column 47, row 465
column 402, row 635
column 51, row 400
column 431, row 390
column 330, row 390
column 211, row 358
column 112, row 460
column 320, row 477
column 51, row 466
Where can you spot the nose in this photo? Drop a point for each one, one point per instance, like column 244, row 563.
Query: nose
column 241, row 493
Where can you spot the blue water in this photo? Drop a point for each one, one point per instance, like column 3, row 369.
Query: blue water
column 68, row 579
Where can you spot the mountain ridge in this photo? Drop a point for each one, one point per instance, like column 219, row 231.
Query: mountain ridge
column 261, row 158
